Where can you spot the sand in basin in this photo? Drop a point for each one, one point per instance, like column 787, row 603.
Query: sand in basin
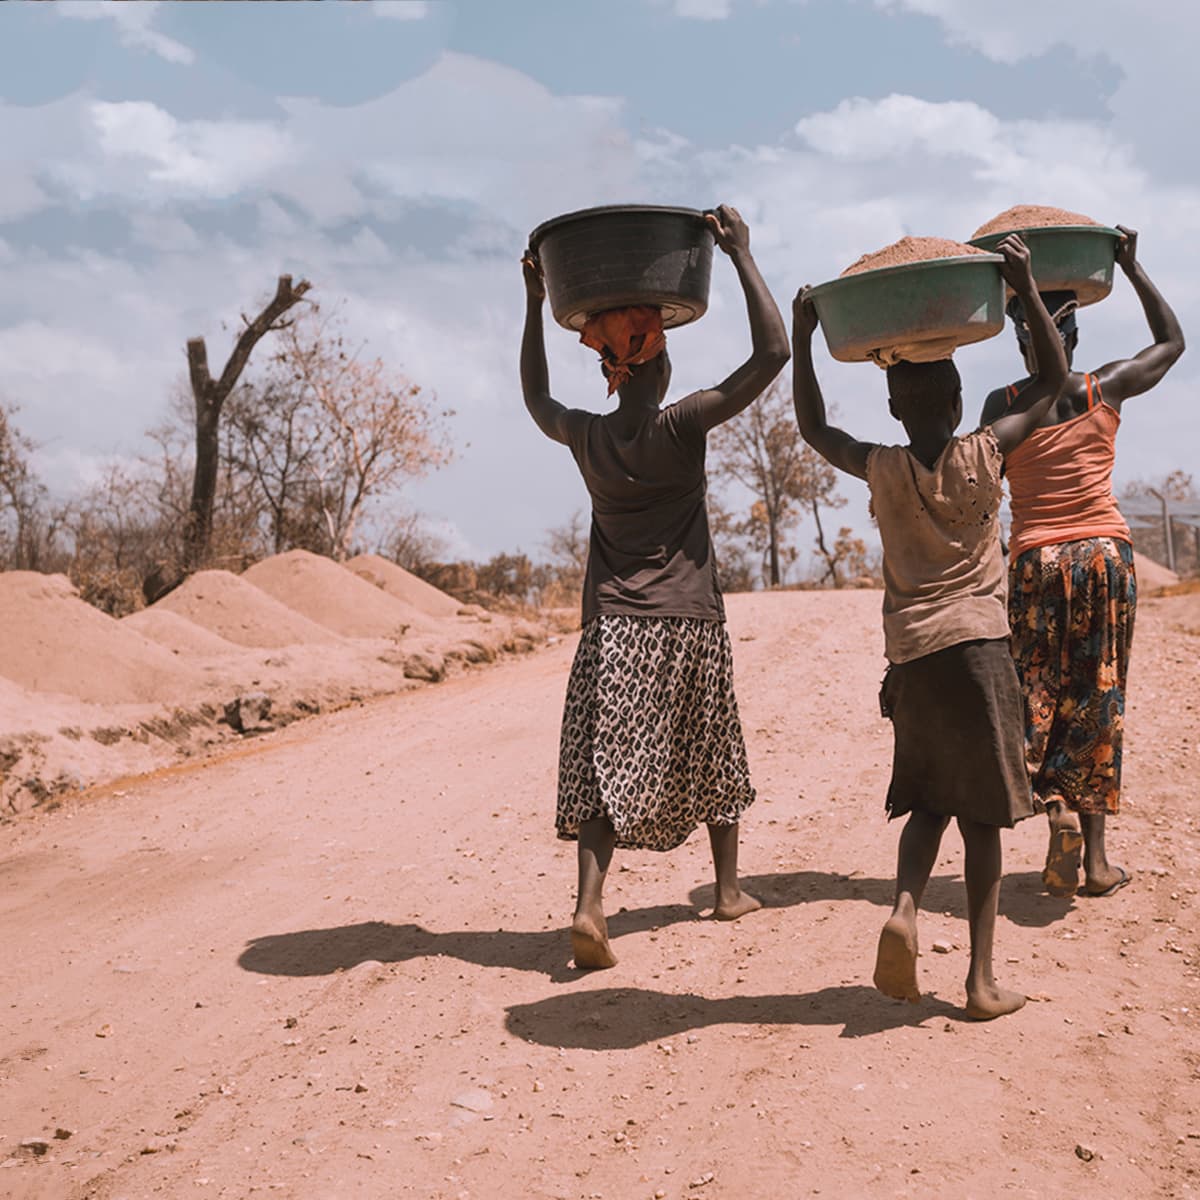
column 404, row 585
column 236, row 610
column 52, row 641
column 325, row 592
column 910, row 250
column 1031, row 216
column 178, row 634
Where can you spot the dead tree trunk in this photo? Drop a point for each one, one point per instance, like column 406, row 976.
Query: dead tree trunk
column 210, row 394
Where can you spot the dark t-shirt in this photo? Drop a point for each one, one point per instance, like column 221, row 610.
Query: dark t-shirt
column 650, row 552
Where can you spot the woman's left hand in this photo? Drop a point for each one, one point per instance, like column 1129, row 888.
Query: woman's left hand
column 732, row 233
column 1016, row 268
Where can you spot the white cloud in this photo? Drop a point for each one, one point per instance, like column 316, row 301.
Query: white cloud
column 133, row 22
column 1153, row 105
column 213, row 158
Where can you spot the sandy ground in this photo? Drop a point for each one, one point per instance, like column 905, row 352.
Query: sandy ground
column 332, row 963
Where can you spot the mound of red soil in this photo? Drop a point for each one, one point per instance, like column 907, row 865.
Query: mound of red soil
column 177, row 633
column 404, row 585
column 234, row 609
column 328, row 594
column 52, row 641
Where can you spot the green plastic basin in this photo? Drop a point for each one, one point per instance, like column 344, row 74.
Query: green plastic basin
column 960, row 298
column 1067, row 258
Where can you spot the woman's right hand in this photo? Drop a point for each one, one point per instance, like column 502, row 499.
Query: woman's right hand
column 535, row 281
column 729, row 229
column 804, row 313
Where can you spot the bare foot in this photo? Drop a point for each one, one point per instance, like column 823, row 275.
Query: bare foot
column 896, row 960
column 985, row 1003
column 589, row 943
column 737, row 905
column 1060, row 876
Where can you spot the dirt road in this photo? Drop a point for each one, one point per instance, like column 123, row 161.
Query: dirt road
column 332, row 963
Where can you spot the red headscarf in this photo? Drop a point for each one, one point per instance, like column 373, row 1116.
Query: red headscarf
column 625, row 337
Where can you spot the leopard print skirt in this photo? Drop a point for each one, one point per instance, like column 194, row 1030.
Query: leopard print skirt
column 651, row 737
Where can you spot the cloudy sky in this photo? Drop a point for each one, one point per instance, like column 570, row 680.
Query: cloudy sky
column 164, row 162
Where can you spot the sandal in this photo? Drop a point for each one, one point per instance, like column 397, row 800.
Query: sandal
column 1060, row 876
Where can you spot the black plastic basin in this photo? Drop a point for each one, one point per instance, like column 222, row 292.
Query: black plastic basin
column 626, row 254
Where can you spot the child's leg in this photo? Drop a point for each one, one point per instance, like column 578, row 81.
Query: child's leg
column 1102, row 877
column 982, row 844
column 730, row 901
column 896, row 958
column 589, row 929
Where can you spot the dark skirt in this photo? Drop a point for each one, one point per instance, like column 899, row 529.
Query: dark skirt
column 959, row 726
column 651, row 737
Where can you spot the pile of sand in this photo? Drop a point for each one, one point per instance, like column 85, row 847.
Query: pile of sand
column 52, row 641
column 1152, row 575
column 404, row 585
column 1031, row 216
column 178, row 634
column 910, row 250
column 239, row 612
column 325, row 592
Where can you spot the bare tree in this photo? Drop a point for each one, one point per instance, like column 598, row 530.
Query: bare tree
column 762, row 450
column 26, row 526
column 210, row 395
column 412, row 543
column 567, row 545
column 379, row 428
column 276, row 442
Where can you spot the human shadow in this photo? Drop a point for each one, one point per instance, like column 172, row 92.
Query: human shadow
column 623, row 1018
column 1022, row 899
column 309, row 952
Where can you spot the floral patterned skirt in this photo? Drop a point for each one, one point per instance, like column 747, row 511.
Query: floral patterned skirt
column 651, row 737
column 1071, row 607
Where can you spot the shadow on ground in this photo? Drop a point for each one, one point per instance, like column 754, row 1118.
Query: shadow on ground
column 324, row 951
column 1022, row 898
column 623, row 1018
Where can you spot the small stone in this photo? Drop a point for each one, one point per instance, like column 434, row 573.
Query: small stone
column 290, row 1023
column 942, row 947
column 703, row 1180
column 618, row 1138
column 538, row 1086
column 1085, row 1152
column 360, row 1088
column 63, row 1134
column 35, row 1146
column 104, row 1031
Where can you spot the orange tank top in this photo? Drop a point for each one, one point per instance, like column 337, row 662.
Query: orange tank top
column 1060, row 479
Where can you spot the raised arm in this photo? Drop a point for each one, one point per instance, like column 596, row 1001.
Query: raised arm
column 535, row 372
column 1133, row 376
column 842, row 450
column 1013, row 425
column 768, row 334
